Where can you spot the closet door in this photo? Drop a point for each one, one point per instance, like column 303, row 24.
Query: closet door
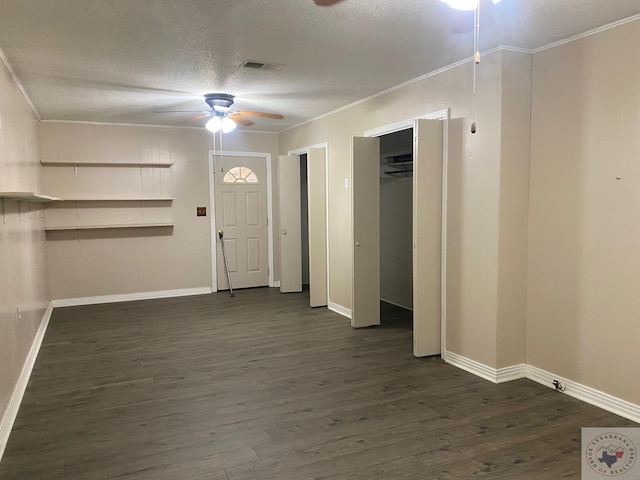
column 317, row 191
column 365, row 211
column 427, row 237
column 290, row 233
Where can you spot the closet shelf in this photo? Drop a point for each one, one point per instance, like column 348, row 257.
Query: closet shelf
column 108, row 164
column 399, row 172
column 104, row 227
column 32, row 196
column 398, row 164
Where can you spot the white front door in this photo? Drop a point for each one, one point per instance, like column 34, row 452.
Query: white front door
column 427, row 237
column 290, row 224
column 365, row 208
column 241, row 214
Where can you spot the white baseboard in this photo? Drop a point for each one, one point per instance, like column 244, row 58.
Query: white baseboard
column 472, row 366
column 397, row 303
column 587, row 394
column 276, row 284
column 11, row 411
column 334, row 307
column 573, row 389
column 128, row 297
column 514, row 372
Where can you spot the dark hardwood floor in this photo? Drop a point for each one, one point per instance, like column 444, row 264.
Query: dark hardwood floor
column 262, row 387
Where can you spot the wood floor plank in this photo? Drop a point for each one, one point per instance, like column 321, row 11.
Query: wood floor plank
column 261, row 386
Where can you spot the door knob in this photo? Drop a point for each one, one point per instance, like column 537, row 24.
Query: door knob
column 357, row 244
column 284, row 231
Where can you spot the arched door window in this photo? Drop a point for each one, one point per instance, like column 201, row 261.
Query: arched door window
column 240, row 175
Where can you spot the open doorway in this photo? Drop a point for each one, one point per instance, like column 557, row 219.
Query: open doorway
column 396, row 229
column 428, row 242
column 303, row 223
column 304, row 220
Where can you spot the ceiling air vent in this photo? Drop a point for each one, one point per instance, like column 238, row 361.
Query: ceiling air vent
column 257, row 65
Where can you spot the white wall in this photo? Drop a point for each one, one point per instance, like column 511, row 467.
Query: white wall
column 110, row 262
column 583, row 306
column 396, row 225
column 396, row 252
column 23, row 265
column 480, row 236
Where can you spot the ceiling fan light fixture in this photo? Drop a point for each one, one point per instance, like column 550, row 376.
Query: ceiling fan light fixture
column 214, row 125
column 465, row 5
column 227, row 125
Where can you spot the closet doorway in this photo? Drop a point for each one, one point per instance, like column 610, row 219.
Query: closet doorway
column 396, row 229
column 429, row 215
column 303, row 223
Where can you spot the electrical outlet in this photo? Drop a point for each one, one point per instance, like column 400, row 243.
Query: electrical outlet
column 19, row 314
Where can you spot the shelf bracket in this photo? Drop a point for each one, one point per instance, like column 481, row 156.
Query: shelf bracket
column 75, row 169
column 77, row 207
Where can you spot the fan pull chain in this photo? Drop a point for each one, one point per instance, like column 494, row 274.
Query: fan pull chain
column 476, row 61
column 221, row 149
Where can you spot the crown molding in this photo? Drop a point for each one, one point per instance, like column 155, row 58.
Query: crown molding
column 117, row 124
column 148, row 125
column 587, row 34
column 405, row 84
column 16, row 80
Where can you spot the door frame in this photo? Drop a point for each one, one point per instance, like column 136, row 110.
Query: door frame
column 404, row 125
column 305, row 151
column 212, row 210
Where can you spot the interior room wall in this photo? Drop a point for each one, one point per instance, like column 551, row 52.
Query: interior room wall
column 474, row 196
column 514, row 209
column 23, row 265
column 111, row 262
column 584, row 230
column 396, row 252
column 396, row 225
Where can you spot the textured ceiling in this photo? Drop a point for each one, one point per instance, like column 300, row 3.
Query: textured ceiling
column 119, row 60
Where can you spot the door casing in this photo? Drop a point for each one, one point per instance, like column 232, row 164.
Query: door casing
column 410, row 123
column 212, row 211
column 306, row 151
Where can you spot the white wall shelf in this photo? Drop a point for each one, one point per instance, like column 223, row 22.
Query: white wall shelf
column 119, row 199
column 108, row 164
column 30, row 196
column 104, row 227
column 115, row 197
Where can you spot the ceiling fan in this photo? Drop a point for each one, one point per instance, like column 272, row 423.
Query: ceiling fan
column 221, row 117
column 461, row 19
